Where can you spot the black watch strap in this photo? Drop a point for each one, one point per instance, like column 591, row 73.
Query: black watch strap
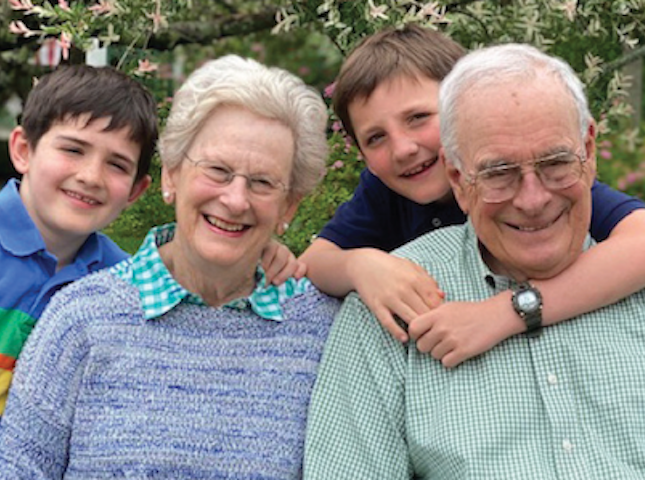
column 527, row 302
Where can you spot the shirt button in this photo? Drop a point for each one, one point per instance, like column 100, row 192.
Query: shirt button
column 567, row 446
column 436, row 222
column 552, row 379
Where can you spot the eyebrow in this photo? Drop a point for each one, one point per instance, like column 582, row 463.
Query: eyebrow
column 219, row 161
column 84, row 143
column 501, row 161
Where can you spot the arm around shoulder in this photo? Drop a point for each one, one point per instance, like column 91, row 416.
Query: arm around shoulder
column 604, row 274
column 327, row 267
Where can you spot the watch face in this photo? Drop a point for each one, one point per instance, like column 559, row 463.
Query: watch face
column 528, row 301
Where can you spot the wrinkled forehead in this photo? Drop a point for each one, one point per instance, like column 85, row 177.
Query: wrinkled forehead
column 516, row 120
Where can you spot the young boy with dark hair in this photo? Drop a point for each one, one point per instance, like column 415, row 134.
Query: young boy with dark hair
column 386, row 96
column 84, row 148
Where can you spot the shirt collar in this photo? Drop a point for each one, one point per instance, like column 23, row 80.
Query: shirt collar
column 16, row 218
column 160, row 292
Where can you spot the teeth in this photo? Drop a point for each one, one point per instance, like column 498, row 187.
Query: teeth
column 80, row 197
column 229, row 227
column 419, row 169
column 534, row 229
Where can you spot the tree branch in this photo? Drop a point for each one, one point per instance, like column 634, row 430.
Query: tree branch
column 624, row 60
column 206, row 32
column 202, row 32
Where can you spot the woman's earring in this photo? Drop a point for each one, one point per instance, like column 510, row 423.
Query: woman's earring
column 282, row 228
column 167, row 196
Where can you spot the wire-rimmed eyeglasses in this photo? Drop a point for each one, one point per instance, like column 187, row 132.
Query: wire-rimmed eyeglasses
column 499, row 183
column 220, row 175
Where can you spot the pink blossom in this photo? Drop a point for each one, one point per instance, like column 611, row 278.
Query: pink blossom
column 19, row 28
column 605, row 144
column 21, row 5
column 65, row 42
column 63, row 5
column 329, row 90
column 304, row 70
column 158, row 20
column 336, row 126
column 103, row 6
column 257, row 47
column 633, row 177
column 145, row 66
column 337, row 164
column 606, row 154
column 622, row 184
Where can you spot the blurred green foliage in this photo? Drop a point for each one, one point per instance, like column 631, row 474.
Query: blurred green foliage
column 309, row 38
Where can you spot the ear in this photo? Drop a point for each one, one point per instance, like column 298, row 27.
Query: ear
column 590, row 146
column 168, row 184
column 457, row 182
column 290, row 212
column 138, row 189
column 19, row 150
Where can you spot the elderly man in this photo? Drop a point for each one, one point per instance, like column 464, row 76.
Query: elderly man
column 567, row 402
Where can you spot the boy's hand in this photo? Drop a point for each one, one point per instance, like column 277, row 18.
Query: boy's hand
column 279, row 263
column 457, row 331
column 392, row 286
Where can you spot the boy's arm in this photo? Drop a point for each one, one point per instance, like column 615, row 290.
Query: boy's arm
column 604, row 274
column 388, row 285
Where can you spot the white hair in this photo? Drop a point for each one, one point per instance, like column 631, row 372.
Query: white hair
column 266, row 91
column 498, row 64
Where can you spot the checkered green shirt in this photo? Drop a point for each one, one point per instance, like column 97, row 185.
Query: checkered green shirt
column 569, row 404
column 160, row 292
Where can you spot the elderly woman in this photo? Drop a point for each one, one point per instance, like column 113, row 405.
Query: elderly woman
column 180, row 363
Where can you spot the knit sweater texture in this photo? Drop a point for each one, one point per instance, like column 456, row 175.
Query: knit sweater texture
column 198, row 393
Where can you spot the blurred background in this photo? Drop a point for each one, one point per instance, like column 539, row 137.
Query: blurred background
column 160, row 42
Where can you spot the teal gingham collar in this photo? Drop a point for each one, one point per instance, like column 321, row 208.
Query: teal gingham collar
column 160, row 292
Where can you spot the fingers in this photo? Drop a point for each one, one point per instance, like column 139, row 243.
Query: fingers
column 301, row 270
column 442, row 349
column 428, row 289
column 441, row 340
column 279, row 264
column 391, row 325
column 291, row 269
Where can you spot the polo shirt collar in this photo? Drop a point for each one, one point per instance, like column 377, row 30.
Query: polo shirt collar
column 15, row 218
column 29, row 241
column 160, row 292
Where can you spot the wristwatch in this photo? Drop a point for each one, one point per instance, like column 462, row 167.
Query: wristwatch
column 527, row 302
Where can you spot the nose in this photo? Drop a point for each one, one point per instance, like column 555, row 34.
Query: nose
column 531, row 196
column 235, row 195
column 403, row 146
column 90, row 171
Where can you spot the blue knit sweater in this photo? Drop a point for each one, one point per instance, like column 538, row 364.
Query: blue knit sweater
column 199, row 393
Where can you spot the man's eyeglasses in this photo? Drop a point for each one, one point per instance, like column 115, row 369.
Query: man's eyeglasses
column 258, row 185
column 500, row 183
